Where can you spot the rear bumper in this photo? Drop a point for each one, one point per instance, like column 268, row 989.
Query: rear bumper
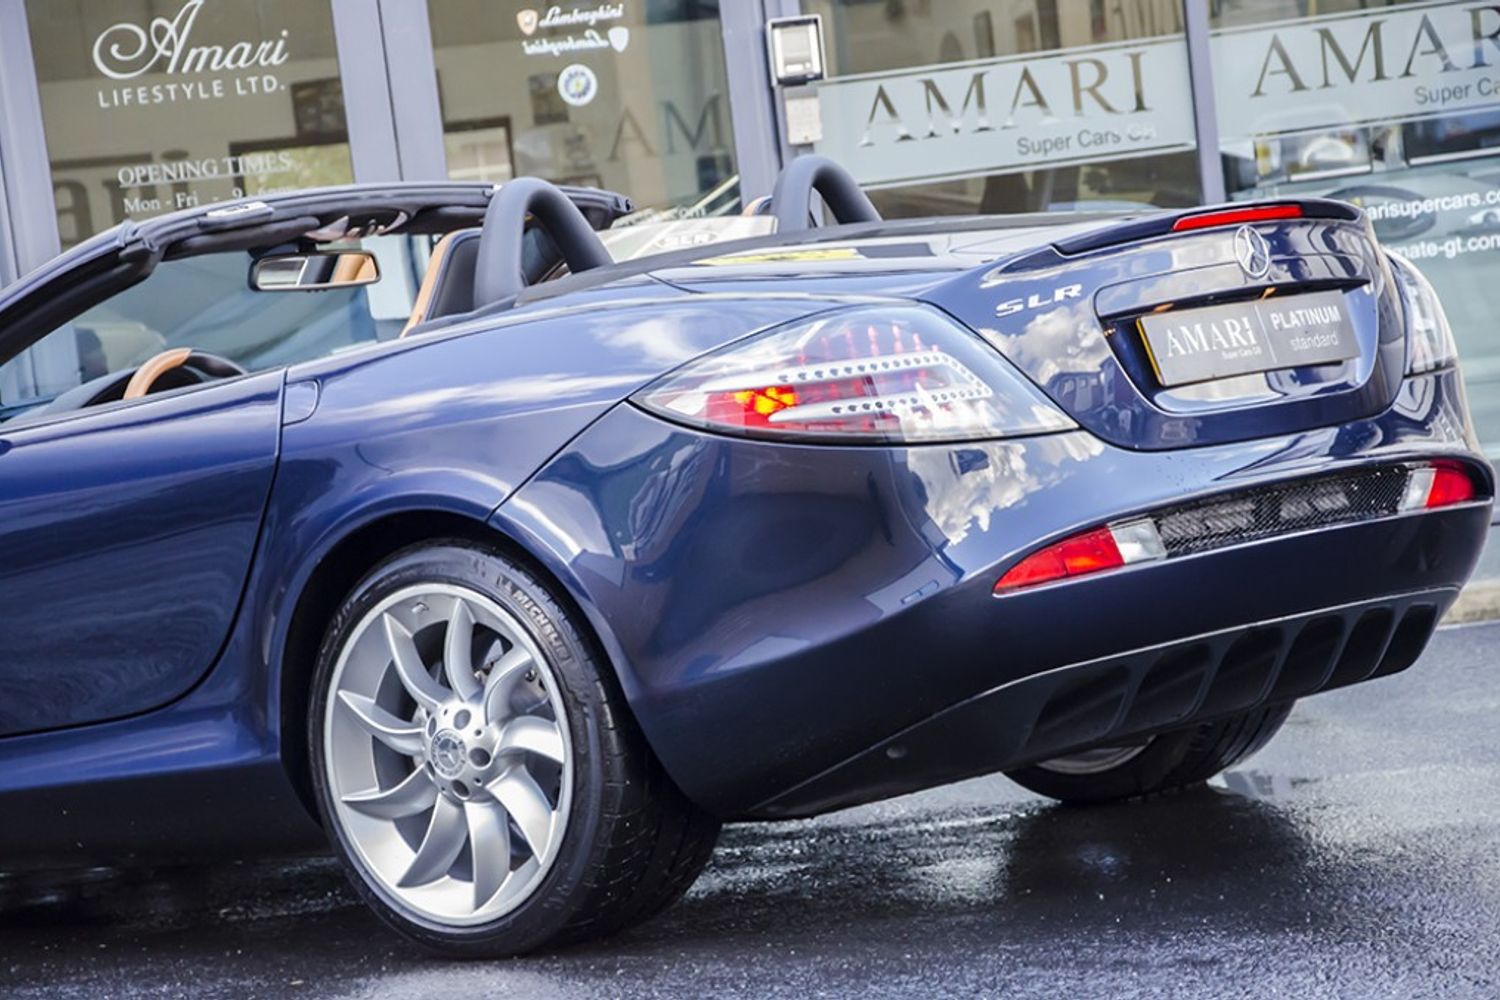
column 803, row 628
column 1129, row 696
column 1139, row 651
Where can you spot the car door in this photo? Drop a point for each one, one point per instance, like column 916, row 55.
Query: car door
column 128, row 526
column 125, row 540
column 127, row 529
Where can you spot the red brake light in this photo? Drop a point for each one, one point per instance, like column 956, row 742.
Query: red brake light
column 1123, row 543
column 749, row 407
column 1080, row 555
column 1237, row 217
column 1112, row 546
column 1439, row 484
column 1451, row 483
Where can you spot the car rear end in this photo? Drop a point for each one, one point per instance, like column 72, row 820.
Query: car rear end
column 1146, row 475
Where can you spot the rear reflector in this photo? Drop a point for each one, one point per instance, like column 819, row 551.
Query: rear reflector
column 1237, row 217
column 1440, row 484
column 1241, row 518
column 1109, row 547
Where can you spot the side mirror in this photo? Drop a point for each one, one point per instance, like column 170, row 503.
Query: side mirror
column 314, row 271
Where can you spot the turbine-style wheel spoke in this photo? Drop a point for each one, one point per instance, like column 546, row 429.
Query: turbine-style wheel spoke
column 519, row 793
column 488, row 740
column 458, row 660
column 535, row 735
column 504, row 675
column 414, row 795
column 489, row 845
column 396, row 733
column 444, row 841
column 409, row 666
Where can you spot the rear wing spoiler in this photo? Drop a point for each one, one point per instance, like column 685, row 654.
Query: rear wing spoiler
column 1237, row 214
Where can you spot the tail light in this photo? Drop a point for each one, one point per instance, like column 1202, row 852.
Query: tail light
column 1440, row 484
column 1110, row 547
column 892, row 374
column 1429, row 339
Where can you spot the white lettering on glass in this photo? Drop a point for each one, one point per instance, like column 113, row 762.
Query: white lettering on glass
column 1389, row 64
column 126, row 51
column 1070, row 106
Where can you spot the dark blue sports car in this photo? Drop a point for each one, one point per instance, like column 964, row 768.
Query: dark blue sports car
column 510, row 547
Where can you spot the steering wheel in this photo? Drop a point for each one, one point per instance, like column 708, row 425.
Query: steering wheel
column 200, row 365
column 174, row 369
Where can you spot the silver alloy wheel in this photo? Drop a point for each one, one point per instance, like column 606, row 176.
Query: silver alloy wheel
column 1093, row 761
column 447, row 755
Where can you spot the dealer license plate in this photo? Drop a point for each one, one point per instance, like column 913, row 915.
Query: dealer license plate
column 1293, row 331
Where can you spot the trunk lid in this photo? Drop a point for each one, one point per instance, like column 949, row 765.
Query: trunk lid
column 1069, row 315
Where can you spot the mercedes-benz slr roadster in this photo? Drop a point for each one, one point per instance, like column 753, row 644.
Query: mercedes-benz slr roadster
column 510, row 547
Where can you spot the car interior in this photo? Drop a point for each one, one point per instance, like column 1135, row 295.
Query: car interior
column 317, row 286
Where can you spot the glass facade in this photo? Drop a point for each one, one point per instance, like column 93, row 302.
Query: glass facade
column 630, row 96
column 1393, row 105
column 1019, row 106
column 937, row 106
column 152, row 107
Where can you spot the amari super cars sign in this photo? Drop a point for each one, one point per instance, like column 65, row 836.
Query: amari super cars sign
column 1406, row 63
column 1023, row 112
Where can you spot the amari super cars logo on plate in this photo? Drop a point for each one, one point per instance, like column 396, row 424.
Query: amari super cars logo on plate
column 1195, row 345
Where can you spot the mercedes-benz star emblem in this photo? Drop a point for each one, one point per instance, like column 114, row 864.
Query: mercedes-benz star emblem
column 447, row 753
column 1252, row 251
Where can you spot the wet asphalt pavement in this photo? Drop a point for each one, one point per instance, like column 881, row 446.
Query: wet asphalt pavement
column 1357, row 856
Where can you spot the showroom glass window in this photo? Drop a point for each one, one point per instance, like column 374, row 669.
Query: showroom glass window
column 1394, row 106
column 628, row 95
column 154, row 106
column 973, row 106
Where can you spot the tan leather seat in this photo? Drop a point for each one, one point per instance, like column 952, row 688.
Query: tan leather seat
column 437, row 272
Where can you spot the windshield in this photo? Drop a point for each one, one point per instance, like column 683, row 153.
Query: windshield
column 723, row 200
column 714, row 218
column 206, row 303
column 650, row 238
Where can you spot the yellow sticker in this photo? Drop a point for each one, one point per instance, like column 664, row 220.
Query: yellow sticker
column 1140, row 325
column 784, row 257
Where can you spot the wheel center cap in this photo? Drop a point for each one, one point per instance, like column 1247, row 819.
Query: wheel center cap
column 447, row 754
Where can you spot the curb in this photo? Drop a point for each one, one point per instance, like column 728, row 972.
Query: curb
column 1479, row 602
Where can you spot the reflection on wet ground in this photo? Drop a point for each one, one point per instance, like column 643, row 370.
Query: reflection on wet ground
column 1356, row 856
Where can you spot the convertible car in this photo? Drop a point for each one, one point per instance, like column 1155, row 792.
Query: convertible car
column 511, row 548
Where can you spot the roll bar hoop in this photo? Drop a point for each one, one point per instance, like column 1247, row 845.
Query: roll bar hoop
column 791, row 201
column 499, row 271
